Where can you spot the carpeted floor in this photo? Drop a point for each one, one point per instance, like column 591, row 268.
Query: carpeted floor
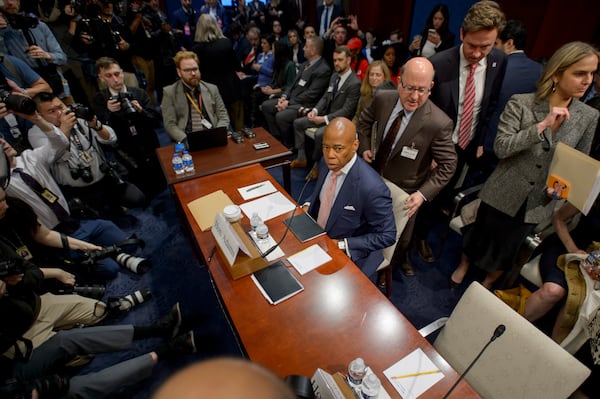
column 176, row 276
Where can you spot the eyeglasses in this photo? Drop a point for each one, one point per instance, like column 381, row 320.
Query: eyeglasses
column 337, row 148
column 411, row 89
column 190, row 70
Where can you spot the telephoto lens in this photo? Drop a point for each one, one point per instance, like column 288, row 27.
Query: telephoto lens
column 135, row 264
column 124, row 304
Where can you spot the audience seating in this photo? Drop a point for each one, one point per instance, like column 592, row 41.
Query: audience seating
column 521, row 363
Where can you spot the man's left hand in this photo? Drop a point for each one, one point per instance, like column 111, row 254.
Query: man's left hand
column 412, row 203
column 479, row 152
column 38, row 53
column 137, row 105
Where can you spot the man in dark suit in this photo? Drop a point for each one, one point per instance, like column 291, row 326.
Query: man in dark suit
column 350, row 200
column 340, row 99
column 472, row 71
column 326, row 14
column 183, row 22
column 310, row 84
column 410, row 133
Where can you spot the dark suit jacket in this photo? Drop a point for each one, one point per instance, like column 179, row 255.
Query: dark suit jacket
column 521, row 76
column 362, row 214
column 445, row 92
column 337, row 11
column 310, row 84
column 429, row 130
column 345, row 102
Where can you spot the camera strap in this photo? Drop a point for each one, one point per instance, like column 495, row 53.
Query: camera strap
column 47, row 196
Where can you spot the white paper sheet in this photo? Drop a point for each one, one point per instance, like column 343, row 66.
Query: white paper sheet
column 264, row 245
column 268, row 207
column 309, row 259
column 410, row 386
column 257, row 190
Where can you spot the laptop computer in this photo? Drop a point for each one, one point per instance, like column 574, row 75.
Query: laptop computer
column 208, row 138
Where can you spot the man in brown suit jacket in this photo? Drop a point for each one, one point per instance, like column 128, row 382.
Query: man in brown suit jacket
column 422, row 158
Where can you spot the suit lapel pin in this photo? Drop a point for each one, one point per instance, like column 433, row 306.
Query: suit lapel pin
column 494, row 64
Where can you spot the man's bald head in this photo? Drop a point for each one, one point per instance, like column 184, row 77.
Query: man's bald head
column 224, row 378
column 415, row 83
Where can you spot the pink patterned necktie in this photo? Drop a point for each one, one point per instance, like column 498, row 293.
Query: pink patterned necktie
column 327, row 201
column 466, row 121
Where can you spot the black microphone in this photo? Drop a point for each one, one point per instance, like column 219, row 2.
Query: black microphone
column 497, row 332
column 308, row 179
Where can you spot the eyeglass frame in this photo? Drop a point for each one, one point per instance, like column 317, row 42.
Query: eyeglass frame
column 421, row 91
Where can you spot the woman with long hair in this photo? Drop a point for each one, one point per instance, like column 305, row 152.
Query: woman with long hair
column 436, row 35
column 514, row 198
column 377, row 78
column 218, row 65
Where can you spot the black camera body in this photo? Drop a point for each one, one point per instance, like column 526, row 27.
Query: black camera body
column 81, row 111
column 92, row 257
column 125, row 100
column 109, row 169
column 50, row 387
column 82, row 172
column 9, row 267
column 21, row 21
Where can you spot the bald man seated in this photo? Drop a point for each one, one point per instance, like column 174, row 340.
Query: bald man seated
column 224, row 378
column 351, row 201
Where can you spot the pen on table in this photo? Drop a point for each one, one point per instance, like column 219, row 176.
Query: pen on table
column 255, row 187
column 212, row 253
column 417, row 374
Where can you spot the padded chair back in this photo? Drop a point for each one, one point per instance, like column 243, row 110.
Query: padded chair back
column 400, row 217
column 522, row 363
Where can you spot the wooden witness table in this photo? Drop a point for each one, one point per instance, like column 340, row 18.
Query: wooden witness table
column 231, row 156
column 339, row 316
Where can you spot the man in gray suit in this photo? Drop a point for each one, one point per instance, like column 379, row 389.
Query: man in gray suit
column 340, row 99
column 310, row 84
column 190, row 104
column 410, row 133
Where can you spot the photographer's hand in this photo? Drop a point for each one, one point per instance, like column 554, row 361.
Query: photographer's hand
column 113, row 105
column 3, row 110
column 137, row 105
column 3, row 23
column 37, row 52
column 59, row 274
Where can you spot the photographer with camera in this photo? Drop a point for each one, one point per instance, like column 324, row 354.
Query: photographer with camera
column 17, row 83
column 129, row 111
column 32, row 349
column 30, row 40
column 82, row 171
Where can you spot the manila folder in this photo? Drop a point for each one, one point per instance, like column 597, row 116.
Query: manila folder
column 205, row 209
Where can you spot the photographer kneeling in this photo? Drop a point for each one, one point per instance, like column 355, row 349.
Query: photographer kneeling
column 83, row 172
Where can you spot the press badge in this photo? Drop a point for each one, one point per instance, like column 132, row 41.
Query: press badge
column 206, row 123
column 329, row 89
column 49, row 196
column 13, row 125
column 302, row 82
column 24, row 252
column 409, row 152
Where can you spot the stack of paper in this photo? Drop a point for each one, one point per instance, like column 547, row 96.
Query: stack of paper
column 413, row 375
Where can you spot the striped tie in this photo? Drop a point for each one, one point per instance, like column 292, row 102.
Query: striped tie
column 466, row 121
column 328, row 197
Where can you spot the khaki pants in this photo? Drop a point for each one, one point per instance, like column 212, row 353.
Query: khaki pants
column 147, row 67
column 61, row 312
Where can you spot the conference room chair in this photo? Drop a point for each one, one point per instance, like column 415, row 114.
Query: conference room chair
column 521, row 363
column 400, row 217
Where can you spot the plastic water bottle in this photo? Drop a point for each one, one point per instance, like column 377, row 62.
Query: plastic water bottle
column 262, row 233
column 188, row 162
column 179, row 148
column 370, row 387
column 255, row 221
column 356, row 371
column 177, row 164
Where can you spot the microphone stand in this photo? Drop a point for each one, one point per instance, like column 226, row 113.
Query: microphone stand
column 268, row 251
column 497, row 332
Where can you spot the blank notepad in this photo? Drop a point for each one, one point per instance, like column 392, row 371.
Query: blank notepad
column 276, row 283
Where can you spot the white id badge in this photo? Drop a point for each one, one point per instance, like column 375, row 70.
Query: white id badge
column 206, row 123
column 409, row 152
column 302, row 82
column 329, row 89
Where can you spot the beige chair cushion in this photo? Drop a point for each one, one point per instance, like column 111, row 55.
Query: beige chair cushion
column 310, row 132
column 531, row 271
column 522, row 363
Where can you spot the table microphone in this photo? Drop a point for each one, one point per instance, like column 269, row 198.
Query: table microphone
column 497, row 332
column 308, row 178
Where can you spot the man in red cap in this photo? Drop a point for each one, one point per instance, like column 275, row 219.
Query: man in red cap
column 359, row 63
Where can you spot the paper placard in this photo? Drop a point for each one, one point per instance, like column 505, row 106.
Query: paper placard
column 413, row 375
column 227, row 239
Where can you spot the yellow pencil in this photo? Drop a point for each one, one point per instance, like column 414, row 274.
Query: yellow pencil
column 417, row 374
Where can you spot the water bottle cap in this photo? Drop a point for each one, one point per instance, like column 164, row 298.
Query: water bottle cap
column 185, row 152
column 179, row 147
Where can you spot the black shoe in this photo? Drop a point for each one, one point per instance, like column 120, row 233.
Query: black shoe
column 407, row 268
column 124, row 304
column 425, row 251
column 184, row 344
column 171, row 322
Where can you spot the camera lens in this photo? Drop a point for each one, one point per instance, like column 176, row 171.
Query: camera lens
column 86, row 174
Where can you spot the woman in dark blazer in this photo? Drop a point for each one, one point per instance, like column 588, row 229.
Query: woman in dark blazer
column 436, row 35
column 514, row 198
column 218, row 65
